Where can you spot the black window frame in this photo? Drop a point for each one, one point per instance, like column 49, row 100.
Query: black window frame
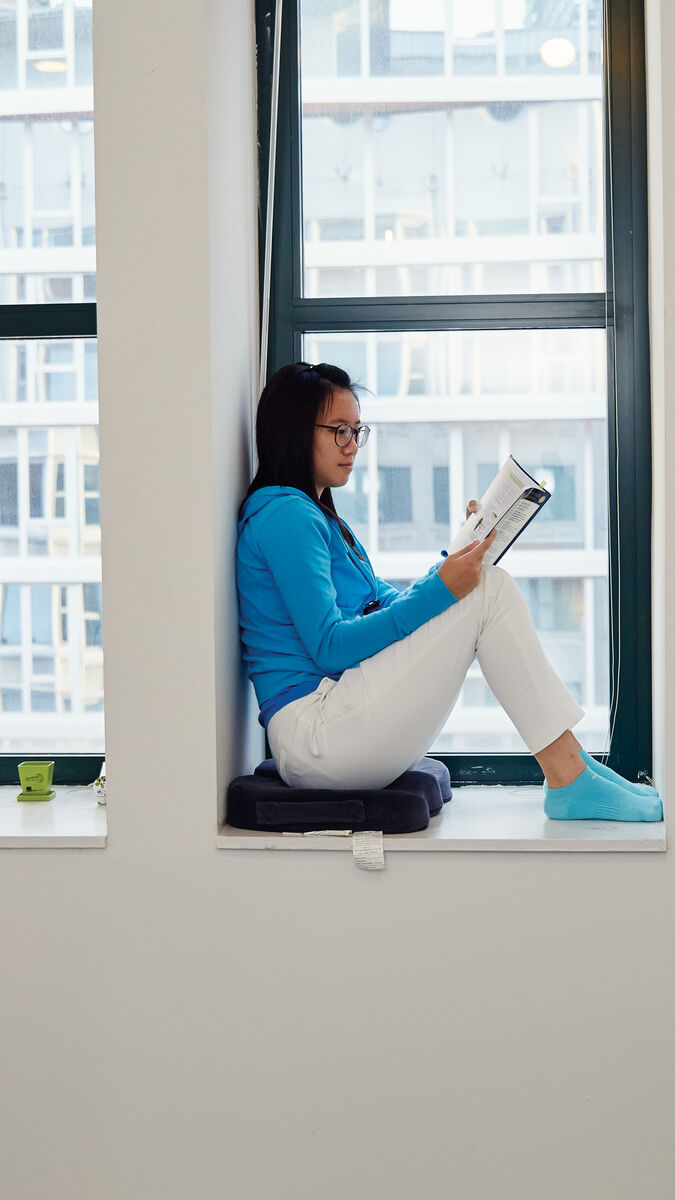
column 622, row 309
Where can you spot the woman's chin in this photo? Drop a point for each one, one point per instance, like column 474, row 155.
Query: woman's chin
column 342, row 477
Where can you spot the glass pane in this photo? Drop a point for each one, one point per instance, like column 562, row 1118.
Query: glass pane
column 45, row 24
column 446, row 410
column 47, row 224
column 51, row 658
column 454, row 149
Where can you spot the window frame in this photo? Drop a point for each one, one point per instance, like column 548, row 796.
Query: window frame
column 41, row 322
column 623, row 310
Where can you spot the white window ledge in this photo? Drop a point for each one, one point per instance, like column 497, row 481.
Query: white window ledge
column 73, row 819
column 480, row 818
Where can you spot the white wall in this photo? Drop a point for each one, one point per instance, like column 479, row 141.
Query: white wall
column 180, row 1022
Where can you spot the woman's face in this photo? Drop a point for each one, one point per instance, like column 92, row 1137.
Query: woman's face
column 332, row 464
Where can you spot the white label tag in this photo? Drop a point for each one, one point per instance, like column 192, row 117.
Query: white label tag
column 319, row 833
column 368, row 849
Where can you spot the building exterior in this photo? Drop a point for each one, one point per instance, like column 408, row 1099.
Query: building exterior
column 51, row 665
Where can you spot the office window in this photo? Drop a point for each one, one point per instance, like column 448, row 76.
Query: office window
column 51, row 665
column 443, row 231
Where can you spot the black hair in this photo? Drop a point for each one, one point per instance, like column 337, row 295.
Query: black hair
column 290, row 406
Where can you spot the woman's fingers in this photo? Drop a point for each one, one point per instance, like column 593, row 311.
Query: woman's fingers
column 465, row 549
column 484, row 546
column 461, row 572
column 476, row 546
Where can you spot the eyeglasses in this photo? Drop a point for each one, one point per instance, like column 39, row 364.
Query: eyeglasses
column 345, row 433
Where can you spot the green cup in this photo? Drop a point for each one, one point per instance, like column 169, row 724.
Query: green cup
column 36, row 778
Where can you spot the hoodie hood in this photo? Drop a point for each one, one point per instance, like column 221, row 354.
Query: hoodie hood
column 263, row 498
column 278, row 496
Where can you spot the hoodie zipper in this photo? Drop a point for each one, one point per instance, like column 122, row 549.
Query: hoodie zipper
column 363, row 567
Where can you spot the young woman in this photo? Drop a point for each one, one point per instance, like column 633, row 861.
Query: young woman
column 355, row 679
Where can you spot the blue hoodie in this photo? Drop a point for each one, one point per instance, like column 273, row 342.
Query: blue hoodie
column 302, row 595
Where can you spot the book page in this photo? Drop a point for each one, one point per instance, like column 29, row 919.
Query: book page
column 509, row 527
column 507, row 486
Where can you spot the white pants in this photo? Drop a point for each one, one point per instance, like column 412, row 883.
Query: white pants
column 381, row 716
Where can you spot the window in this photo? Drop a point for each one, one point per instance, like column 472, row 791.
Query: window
column 51, row 664
column 451, row 228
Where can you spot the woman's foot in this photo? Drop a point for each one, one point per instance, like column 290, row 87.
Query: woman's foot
column 640, row 789
column 594, row 797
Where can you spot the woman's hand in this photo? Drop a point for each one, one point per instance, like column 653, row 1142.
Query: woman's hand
column 471, row 507
column 461, row 572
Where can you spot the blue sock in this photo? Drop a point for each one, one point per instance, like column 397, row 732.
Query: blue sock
column 593, row 797
column 640, row 789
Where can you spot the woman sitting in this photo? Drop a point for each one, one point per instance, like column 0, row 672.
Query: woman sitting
column 355, row 679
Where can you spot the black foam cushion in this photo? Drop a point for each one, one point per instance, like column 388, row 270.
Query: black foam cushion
column 263, row 801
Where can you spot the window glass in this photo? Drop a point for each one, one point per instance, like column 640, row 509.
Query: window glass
column 60, row 675
column 50, row 511
column 83, row 43
column 41, row 614
column 442, row 424
column 51, row 664
column 47, row 216
column 9, row 482
column 452, row 149
column 47, row 222
column 11, row 617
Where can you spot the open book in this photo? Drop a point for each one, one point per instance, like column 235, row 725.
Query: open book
column 512, row 500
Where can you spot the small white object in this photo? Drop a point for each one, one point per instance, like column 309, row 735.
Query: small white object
column 319, row 833
column 328, row 833
column 368, row 848
column 99, row 788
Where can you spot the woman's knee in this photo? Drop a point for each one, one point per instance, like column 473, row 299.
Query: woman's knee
column 501, row 587
column 497, row 579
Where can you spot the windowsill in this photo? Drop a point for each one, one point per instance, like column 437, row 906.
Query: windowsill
column 477, row 818
column 73, row 819
column 480, row 818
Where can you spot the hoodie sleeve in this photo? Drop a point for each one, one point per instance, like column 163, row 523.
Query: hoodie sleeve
column 386, row 593
column 294, row 540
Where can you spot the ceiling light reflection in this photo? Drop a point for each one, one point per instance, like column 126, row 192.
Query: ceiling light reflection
column 558, row 53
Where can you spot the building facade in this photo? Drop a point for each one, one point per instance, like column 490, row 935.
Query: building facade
column 51, row 658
